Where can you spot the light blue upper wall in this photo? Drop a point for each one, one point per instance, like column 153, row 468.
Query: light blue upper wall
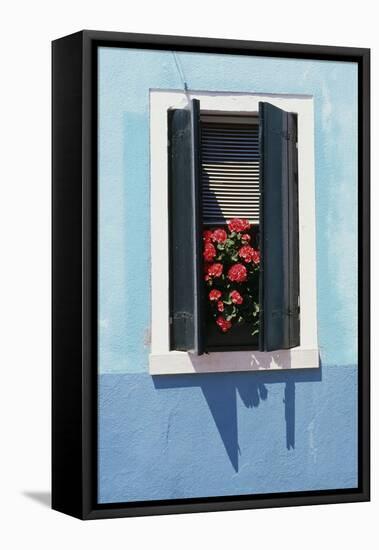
column 125, row 78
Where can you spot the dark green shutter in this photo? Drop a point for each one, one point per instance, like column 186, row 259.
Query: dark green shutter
column 186, row 304
column 279, row 230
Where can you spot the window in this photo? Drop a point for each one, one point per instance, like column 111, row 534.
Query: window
column 229, row 153
column 211, row 154
column 219, row 170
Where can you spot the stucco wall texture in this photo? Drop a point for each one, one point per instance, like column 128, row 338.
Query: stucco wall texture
column 199, row 435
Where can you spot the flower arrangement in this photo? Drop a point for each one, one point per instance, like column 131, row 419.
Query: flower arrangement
column 231, row 273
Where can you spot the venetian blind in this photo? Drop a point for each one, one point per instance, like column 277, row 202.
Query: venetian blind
column 230, row 168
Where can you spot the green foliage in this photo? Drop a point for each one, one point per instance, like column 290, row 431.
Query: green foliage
column 228, row 253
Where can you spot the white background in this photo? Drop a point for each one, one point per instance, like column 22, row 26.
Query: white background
column 26, row 31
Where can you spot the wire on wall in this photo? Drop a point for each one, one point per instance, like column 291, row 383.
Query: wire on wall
column 180, row 71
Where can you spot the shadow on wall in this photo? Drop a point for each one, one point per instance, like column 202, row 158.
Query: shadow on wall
column 220, row 391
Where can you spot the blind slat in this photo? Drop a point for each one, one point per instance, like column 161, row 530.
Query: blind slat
column 230, row 171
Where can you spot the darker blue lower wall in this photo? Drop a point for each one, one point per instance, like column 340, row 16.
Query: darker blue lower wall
column 186, row 436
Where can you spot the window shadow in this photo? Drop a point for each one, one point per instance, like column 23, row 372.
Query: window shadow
column 220, row 395
column 289, row 413
column 220, row 392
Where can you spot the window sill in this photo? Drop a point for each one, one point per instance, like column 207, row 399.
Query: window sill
column 180, row 362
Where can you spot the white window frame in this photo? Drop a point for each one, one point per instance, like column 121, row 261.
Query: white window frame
column 162, row 360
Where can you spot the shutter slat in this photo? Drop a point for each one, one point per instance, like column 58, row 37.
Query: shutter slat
column 230, row 204
column 238, row 153
column 225, row 130
column 232, row 196
column 217, row 179
column 230, row 171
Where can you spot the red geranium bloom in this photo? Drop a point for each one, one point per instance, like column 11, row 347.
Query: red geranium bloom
column 214, row 295
column 206, row 265
column 219, row 235
column 246, row 252
column 209, row 252
column 236, row 297
column 207, row 235
column 238, row 225
column 220, row 306
column 256, row 256
column 223, row 323
column 246, row 237
column 215, row 270
column 237, row 273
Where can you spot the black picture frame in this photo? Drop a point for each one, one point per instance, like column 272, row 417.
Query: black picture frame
column 74, row 272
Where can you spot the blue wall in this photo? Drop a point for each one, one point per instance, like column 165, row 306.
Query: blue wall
column 203, row 435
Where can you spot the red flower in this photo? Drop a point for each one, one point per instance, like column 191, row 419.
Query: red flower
column 214, row 295
column 209, row 252
column 249, row 254
column 236, row 297
column 215, row 270
column 207, row 235
column 246, row 237
column 206, row 266
column 220, row 306
column 223, row 323
column 246, row 252
column 238, row 225
column 237, row 273
column 256, row 256
column 219, row 235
